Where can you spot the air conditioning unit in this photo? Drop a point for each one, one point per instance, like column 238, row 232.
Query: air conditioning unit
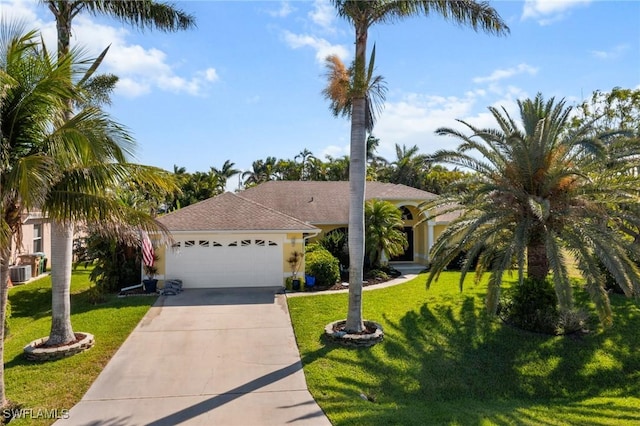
column 20, row 274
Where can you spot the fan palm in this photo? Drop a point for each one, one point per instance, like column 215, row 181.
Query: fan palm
column 539, row 191
column 362, row 15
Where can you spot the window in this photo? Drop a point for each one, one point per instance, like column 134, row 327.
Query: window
column 245, row 243
column 189, row 243
column 233, row 244
column 406, row 213
column 271, row 243
column 203, row 243
column 176, row 245
column 216, row 244
column 260, row 243
column 37, row 238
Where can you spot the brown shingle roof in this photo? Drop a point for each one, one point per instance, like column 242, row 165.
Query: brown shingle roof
column 231, row 212
column 325, row 202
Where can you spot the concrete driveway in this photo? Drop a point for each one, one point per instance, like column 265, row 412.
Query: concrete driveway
column 205, row 357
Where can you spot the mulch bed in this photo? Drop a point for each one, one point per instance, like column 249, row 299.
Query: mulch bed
column 79, row 336
column 345, row 279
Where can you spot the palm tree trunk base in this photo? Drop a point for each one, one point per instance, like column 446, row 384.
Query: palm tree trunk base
column 37, row 351
column 372, row 335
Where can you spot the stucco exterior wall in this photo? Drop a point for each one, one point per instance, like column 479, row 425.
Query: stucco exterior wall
column 28, row 235
column 293, row 243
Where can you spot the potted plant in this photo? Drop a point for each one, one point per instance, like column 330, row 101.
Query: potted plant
column 295, row 261
column 151, row 284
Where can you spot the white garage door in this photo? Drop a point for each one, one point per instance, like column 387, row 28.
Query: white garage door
column 226, row 261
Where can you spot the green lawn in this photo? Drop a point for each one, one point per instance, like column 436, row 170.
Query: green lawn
column 61, row 384
column 443, row 362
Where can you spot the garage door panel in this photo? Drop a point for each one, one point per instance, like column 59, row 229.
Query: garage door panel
column 229, row 261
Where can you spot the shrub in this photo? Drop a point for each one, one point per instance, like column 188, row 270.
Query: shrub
column 323, row 266
column 531, row 306
column 571, row 322
column 336, row 243
column 311, row 247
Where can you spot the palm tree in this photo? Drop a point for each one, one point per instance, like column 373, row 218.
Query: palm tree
column 306, row 158
column 81, row 161
column 223, row 174
column 409, row 166
column 33, row 96
column 36, row 147
column 140, row 13
column 384, row 231
column 337, row 168
column 262, row 171
column 539, row 189
column 362, row 15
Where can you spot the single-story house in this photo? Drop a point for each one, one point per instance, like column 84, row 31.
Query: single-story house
column 244, row 239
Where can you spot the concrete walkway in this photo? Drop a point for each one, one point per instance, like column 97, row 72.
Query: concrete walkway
column 205, row 357
column 408, row 272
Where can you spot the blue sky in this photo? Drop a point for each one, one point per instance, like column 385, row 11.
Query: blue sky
column 246, row 83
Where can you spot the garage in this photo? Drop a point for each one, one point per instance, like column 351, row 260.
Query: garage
column 236, row 260
column 229, row 241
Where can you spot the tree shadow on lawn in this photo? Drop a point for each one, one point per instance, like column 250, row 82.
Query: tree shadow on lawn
column 441, row 365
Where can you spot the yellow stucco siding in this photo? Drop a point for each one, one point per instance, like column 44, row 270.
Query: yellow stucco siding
column 161, row 261
column 421, row 250
column 437, row 230
column 294, row 242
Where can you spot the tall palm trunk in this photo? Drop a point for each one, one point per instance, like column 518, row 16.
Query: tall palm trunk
column 61, row 258
column 5, row 254
column 61, row 232
column 357, row 175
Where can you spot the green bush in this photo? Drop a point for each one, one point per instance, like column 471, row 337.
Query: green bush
column 532, row 306
column 336, row 243
column 323, row 266
column 311, row 247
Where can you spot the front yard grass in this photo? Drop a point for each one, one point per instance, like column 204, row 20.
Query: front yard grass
column 61, row 384
column 444, row 362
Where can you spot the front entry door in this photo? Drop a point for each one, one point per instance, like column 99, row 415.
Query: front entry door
column 407, row 256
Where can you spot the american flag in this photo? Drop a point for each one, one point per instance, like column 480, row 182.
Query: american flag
column 147, row 250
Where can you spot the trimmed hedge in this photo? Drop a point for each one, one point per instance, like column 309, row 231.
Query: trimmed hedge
column 323, row 266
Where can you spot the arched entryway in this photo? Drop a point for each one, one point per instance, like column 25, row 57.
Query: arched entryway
column 408, row 216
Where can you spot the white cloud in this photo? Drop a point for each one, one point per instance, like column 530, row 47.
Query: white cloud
column 501, row 74
column 131, row 88
column 549, row 11
column 613, row 53
column 285, row 10
column 413, row 119
column 323, row 14
column 20, row 11
column 210, row 74
column 322, row 47
column 140, row 70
